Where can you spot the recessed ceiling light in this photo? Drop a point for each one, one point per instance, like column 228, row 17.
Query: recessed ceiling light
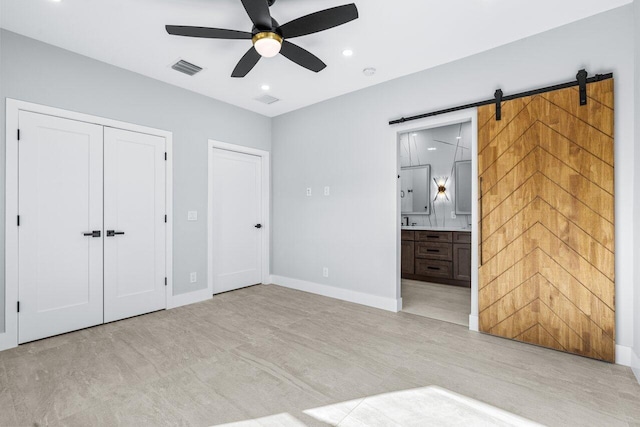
column 432, row 149
column 458, row 137
column 414, row 134
column 347, row 52
column 370, row 71
column 56, row 1
column 266, row 87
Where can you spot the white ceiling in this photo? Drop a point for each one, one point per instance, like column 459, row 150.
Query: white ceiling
column 397, row 37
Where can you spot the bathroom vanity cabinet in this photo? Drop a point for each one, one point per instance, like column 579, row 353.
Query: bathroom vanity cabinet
column 437, row 256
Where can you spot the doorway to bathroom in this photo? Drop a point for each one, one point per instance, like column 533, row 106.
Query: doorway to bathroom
column 435, row 197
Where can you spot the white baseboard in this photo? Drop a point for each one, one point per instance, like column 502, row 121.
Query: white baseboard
column 623, row 355
column 635, row 364
column 389, row 304
column 8, row 340
column 189, row 298
column 474, row 324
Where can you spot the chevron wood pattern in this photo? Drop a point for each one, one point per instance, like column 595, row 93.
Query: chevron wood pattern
column 547, row 272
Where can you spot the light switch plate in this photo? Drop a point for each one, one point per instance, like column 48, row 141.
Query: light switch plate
column 193, row 277
column 309, row 192
column 327, row 191
column 192, row 216
column 325, row 272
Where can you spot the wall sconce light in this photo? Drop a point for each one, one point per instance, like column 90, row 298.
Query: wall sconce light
column 441, row 184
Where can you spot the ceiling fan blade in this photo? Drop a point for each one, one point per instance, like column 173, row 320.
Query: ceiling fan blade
column 207, row 33
column 246, row 64
column 258, row 11
column 302, row 57
column 319, row 21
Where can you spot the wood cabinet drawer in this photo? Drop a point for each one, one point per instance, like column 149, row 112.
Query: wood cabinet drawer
column 433, row 268
column 461, row 237
column 433, row 236
column 440, row 251
column 408, row 235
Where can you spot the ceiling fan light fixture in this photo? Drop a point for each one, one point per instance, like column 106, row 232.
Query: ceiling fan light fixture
column 268, row 44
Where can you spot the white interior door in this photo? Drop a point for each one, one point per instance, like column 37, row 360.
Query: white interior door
column 60, row 200
column 134, row 222
column 236, row 220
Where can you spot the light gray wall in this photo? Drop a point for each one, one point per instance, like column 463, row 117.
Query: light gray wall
column 636, row 5
column 40, row 73
column 347, row 144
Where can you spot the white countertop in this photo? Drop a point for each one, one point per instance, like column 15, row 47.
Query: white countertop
column 431, row 228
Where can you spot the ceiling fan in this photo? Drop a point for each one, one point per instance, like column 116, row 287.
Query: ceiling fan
column 269, row 37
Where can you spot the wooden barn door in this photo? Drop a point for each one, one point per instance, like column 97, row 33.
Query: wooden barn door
column 547, row 221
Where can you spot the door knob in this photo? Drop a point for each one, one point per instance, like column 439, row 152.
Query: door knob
column 111, row 233
column 95, row 233
column 258, row 226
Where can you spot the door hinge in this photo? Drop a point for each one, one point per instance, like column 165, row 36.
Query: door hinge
column 165, row 281
column 18, row 220
column 18, row 134
column 165, row 155
column 18, row 306
column 165, row 218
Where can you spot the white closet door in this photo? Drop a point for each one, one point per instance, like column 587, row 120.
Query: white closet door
column 236, row 220
column 60, row 200
column 134, row 210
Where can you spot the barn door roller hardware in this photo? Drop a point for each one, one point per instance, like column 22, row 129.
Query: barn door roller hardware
column 582, row 83
column 498, row 95
column 582, row 80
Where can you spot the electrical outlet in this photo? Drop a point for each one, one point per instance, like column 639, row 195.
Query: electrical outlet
column 192, row 216
column 309, row 192
column 453, row 215
column 327, row 191
column 325, row 272
column 193, row 277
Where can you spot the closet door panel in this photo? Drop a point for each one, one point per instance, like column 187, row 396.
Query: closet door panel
column 60, row 205
column 134, row 224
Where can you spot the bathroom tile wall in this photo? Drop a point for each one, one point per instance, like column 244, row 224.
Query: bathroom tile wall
column 440, row 148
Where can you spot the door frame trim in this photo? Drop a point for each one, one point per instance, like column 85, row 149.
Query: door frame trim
column 463, row 116
column 266, row 206
column 9, row 338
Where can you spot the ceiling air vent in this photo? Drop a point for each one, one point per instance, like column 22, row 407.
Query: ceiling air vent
column 186, row 67
column 267, row 99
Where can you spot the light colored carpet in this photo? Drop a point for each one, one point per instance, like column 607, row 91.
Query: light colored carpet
column 440, row 302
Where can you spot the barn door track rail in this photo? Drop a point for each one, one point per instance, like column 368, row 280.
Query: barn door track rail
column 582, row 80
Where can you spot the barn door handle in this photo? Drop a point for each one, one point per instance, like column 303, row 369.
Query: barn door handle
column 258, row 226
column 95, row 233
column 111, row 233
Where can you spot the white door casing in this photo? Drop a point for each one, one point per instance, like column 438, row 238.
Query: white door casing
column 60, row 199
column 237, row 208
column 134, row 221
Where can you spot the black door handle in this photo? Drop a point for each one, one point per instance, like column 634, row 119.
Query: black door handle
column 95, row 233
column 111, row 233
column 258, row 226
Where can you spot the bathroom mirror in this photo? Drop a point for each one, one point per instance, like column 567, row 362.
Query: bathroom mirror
column 463, row 187
column 415, row 190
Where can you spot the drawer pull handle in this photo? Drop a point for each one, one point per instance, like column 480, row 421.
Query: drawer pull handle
column 433, row 237
column 433, row 268
column 433, row 250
